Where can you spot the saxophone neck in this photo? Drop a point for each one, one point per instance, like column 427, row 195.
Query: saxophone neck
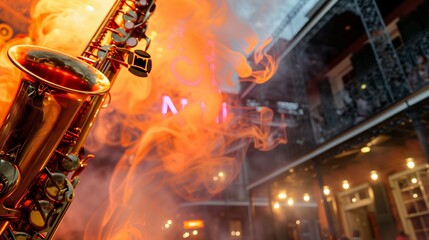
column 121, row 31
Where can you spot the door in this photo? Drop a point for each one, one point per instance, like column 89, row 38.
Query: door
column 359, row 219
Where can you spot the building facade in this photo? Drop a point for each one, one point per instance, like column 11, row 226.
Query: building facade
column 357, row 160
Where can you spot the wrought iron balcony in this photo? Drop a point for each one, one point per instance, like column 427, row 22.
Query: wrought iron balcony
column 367, row 93
column 414, row 57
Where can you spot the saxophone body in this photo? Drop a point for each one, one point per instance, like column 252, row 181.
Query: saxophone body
column 59, row 97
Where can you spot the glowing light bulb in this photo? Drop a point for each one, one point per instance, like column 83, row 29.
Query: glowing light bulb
column 326, row 190
column 282, row 195
column 365, row 149
column 237, row 233
column 169, row 222
column 306, row 197
column 221, row 174
column 410, row 163
column 414, row 180
column 415, row 195
column 195, row 232
column 290, row 202
column 346, row 184
column 298, row 222
column 374, row 175
column 276, row 205
column 186, row 235
column 354, row 200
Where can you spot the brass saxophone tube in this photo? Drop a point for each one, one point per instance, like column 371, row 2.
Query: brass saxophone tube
column 86, row 122
column 53, row 87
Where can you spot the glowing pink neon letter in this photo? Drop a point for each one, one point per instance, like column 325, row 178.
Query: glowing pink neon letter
column 168, row 104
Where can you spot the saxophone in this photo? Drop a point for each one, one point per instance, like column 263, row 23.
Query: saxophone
column 59, row 97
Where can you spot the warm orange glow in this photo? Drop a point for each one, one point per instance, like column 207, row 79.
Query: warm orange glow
column 306, row 197
column 410, row 163
column 276, row 205
column 193, row 224
column 197, row 54
column 374, row 175
column 282, row 195
column 326, row 190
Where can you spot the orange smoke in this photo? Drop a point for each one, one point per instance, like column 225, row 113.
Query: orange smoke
column 180, row 127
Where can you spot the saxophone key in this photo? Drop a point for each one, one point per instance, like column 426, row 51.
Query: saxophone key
column 119, row 36
column 71, row 162
column 142, row 3
column 132, row 42
column 9, row 177
column 130, row 16
column 39, row 212
column 140, row 63
column 129, row 26
column 58, row 188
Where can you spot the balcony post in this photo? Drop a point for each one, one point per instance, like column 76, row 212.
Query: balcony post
column 251, row 213
column 274, row 233
column 386, row 56
column 299, row 92
column 327, row 209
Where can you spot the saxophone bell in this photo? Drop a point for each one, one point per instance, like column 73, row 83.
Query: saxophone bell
column 53, row 87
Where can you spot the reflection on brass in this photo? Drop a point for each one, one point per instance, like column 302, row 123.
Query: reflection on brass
column 58, row 188
column 39, row 213
column 6, row 32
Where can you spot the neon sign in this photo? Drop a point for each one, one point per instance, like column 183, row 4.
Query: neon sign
column 168, row 106
column 210, row 58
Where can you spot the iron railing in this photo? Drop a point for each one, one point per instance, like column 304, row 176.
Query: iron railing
column 366, row 94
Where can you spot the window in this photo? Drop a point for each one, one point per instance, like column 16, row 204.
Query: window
column 411, row 194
